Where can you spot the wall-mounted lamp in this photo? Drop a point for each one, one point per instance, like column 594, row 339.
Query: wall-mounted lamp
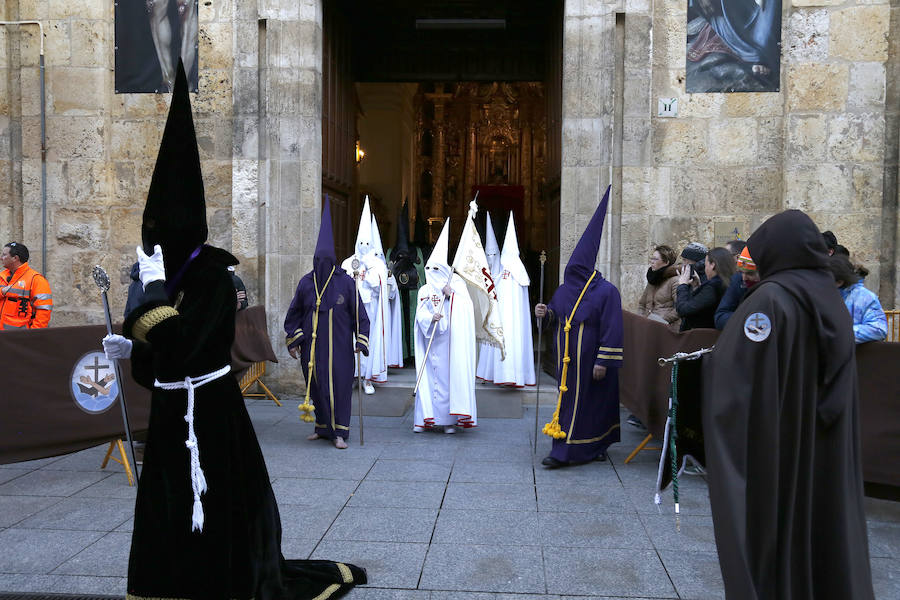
column 360, row 153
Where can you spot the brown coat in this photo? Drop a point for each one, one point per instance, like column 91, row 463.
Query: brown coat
column 659, row 299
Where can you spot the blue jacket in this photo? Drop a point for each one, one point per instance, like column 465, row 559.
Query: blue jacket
column 869, row 321
column 733, row 296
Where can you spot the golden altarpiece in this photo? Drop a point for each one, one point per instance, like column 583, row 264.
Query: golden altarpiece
column 488, row 138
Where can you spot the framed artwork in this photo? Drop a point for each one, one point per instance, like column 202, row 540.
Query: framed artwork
column 733, row 46
column 151, row 35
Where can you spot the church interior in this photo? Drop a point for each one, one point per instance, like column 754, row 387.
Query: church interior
column 462, row 97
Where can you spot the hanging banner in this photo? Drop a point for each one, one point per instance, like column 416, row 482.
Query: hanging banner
column 150, row 37
column 61, row 394
column 733, row 46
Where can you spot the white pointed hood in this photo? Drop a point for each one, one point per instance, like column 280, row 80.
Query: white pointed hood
column 364, row 235
column 509, row 258
column 437, row 269
column 377, row 247
column 491, row 248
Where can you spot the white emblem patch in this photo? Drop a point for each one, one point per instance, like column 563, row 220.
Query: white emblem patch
column 757, row 327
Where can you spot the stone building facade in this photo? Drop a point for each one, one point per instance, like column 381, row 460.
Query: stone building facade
column 826, row 143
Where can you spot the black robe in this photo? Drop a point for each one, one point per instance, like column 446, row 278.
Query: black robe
column 781, row 426
column 238, row 553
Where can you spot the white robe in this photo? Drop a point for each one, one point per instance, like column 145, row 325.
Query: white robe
column 372, row 288
column 394, row 329
column 489, row 356
column 518, row 368
column 446, row 394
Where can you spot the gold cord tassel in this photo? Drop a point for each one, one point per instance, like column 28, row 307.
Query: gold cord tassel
column 552, row 428
column 306, row 409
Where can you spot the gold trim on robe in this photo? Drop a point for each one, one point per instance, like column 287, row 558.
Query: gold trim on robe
column 151, row 319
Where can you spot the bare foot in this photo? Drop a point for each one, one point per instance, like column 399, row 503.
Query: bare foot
column 339, row 443
column 314, row 436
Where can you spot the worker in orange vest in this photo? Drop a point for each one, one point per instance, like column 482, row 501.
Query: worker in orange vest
column 25, row 297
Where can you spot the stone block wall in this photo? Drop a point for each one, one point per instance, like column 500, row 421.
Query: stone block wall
column 823, row 144
column 101, row 146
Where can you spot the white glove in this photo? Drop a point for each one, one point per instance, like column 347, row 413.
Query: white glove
column 151, row 267
column 117, row 346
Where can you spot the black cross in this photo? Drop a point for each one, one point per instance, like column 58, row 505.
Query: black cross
column 96, row 368
column 758, row 322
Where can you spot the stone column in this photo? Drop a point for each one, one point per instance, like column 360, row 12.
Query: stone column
column 587, row 118
column 291, row 169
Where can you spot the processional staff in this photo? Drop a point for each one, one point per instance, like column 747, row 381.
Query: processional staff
column 537, row 396
column 102, row 281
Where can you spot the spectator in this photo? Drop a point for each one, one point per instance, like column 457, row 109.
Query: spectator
column 240, row 289
column 694, row 254
column 830, row 241
column 736, row 247
column 658, row 300
column 745, row 278
column 869, row 320
column 697, row 306
column 25, row 298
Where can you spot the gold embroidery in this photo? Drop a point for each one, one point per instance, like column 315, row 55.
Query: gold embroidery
column 596, row 439
column 346, row 573
column 605, row 349
column 331, row 364
column 609, row 356
column 577, row 383
column 297, row 335
column 329, row 592
column 151, row 319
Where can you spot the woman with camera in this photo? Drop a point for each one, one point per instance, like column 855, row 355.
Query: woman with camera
column 696, row 301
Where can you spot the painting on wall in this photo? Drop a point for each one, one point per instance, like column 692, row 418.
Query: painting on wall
column 733, row 46
column 150, row 37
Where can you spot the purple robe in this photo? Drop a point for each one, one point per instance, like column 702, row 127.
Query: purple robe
column 331, row 385
column 589, row 411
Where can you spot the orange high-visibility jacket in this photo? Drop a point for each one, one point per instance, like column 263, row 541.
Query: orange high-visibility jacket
column 25, row 299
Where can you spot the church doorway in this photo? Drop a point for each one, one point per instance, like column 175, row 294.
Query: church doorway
column 429, row 102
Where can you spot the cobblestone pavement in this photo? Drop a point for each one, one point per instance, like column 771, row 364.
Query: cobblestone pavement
column 431, row 516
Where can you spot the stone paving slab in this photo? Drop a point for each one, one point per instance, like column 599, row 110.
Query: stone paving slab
column 83, row 514
column 399, row 494
column 614, row 572
column 50, row 483
column 582, row 498
column 483, row 568
column 594, row 530
column 388, row 565
column 696, row 575
column 383, row 525
column 409, row 470
column 490, row 496
column 39, row 551
column 108, row 557
column 14, row 509
column 499, row 527
column 306, row 522
column 885, row 578
column 313, row 492
column 694, row 534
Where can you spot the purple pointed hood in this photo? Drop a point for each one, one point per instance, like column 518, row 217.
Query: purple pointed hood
column 324, row 257
column 584, row 257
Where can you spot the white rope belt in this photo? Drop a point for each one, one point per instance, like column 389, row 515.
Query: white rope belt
column 198, row 481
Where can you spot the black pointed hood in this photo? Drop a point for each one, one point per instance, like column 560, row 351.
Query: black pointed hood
column 402, row 245
column 324, row 258
column 584, row 256
column 175, row 213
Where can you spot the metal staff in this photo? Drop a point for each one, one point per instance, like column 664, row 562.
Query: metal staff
column 102, row 281
column 537, row 396
column 440, row 310
column 359, row 402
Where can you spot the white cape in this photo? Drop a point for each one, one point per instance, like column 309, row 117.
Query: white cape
column 446, row 394
column 372, row 288
column 518, row 368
